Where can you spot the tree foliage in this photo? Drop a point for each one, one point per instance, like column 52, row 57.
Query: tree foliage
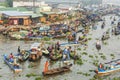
column 9, row 3
column 91, row 2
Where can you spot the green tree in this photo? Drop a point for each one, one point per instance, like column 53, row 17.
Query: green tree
column 91, row 2
column 9, row 3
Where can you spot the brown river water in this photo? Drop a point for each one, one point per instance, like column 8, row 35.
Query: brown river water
column 112, row 47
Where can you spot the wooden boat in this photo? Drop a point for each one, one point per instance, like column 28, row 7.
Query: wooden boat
column 57, row 70
column 18, row 35
column 59, row 36
column 35, row 56
column 12, row 66
column 55, row 55
column 116, row 68
column 23, row 56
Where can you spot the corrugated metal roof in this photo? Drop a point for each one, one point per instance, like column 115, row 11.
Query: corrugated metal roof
column 49, row 13
column 14, row 13
column 36, row 15
column 33, row 14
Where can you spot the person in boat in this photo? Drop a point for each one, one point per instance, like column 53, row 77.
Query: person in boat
column 57, row 45
column 66, row 54
column 46, row 65
column 100, row 67
column 16, row 65
column 102, row 26
column 11, row 58
column 74, row 34
column 18, row 49
column 11, row 55
column 98, row 42
column 30, row 34
column 112, row 22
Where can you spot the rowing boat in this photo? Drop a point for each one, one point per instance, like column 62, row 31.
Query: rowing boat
column 25, row 56
column 103, row 72
column 57, row 70
column 35, row 56
column 15, row 68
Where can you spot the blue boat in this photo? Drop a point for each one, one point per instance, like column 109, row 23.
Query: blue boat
column 110, row 70
column 70, row 43
column 13, row 67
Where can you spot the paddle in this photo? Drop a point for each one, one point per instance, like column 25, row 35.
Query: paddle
column 112, row 61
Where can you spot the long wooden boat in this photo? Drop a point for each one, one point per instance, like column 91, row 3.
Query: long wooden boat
column 24, row 56
column 16, row 69
column 57, row 70
column 108, row 71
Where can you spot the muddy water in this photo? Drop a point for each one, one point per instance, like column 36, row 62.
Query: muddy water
column 112, row 47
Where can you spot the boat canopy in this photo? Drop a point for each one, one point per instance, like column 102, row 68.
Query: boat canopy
column 35, row 46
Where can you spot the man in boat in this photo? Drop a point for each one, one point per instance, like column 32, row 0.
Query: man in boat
column 57, row 46
column 66, row 53
column 46, row 66
column 16, row 65
column 103, row 25
column 18, row 49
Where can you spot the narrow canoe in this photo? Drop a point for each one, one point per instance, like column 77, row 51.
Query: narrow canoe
column 57, row 70
column 109, row 71
column 11, row 65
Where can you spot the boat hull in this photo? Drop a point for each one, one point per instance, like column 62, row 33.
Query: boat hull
column 107, row 72
column 57, row 70
column 12, row 67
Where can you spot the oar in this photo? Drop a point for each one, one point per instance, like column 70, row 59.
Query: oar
column 112, row 61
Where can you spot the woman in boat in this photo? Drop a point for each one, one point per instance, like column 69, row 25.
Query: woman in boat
column 100, row 67
column 46, row 65
column 11, row 57
column 98, row 46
